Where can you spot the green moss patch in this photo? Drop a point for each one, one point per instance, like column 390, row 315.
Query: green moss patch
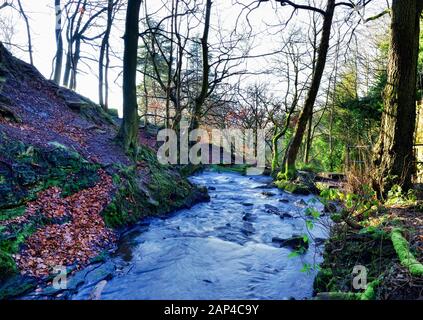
column 344, row 251
column 406, row 258
column 238, row 168
column 156, row 190
column 292, row 187
column 26, row 170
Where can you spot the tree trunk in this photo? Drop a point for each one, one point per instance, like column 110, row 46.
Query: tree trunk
column 74, row 62
column 68, row 67
column 201, row 98
column 128, row 133
column 28, row 32
column 294, row 146
column 275, row 150
column 59, row 44
column 309, row 139
column 394, row 158
column 103, row 51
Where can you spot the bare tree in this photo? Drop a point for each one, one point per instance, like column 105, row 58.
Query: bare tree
column 77, row 28
column 59, row 43
column 28, row 31
column 128, row 133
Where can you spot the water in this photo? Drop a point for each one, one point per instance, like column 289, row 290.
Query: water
column 218, row 250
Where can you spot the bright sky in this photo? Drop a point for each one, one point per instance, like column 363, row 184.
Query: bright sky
column 42, row 22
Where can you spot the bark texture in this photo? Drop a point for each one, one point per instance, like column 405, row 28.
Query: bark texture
column 128, row 133
column 394, row 157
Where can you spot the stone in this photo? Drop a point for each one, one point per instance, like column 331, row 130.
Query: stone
column 285, row 215
column 319, row 241
column 268, row 194
column 272, row 209
column 330, row 207
column 98, row 290
column 301, row 203
column 247, row 228
column 248, row 217
column 295, row 242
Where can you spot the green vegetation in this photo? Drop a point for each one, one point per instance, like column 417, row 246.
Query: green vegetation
column 406, row 258
column 32, row 171
column 292, row 187
column 237, row 168
column 165, row 191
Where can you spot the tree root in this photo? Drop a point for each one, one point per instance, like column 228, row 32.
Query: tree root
column 406, row 258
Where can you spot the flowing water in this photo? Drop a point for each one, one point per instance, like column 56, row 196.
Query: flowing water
column 221, row 249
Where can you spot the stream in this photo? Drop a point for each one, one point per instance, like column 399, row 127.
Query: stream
column 221, row 249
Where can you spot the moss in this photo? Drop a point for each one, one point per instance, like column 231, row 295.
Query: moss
column 7, row 214
column 289, row 174
column 15, row 286
column 336, row 217
column 33, row 170
column 370, row 292
column 338, row 296
column 163, row 191
column 371, row 249
column 113, row 112
column 292, row 187
column 405, row 256
column 238, row 168
column 190, row 169
column 322, row 282
column 7, row 265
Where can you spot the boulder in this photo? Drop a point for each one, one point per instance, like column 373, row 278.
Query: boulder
column 295, row 242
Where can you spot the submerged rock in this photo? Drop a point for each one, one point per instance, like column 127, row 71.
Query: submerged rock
column 248, row 228
column 276, row 211
column 300, row 203
column 295, row 242
column 285, row 215
column 284, row 200
column 268, row 194
column 249, row 217
column 271, row 209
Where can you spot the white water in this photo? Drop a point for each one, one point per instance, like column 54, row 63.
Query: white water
column 211, row 252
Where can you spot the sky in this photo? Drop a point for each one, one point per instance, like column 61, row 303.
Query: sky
column 42, row 23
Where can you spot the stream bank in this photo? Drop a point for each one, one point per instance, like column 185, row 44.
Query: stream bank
column 231, row 247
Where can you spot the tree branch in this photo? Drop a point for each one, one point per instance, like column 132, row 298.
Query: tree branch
column 299, row 6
